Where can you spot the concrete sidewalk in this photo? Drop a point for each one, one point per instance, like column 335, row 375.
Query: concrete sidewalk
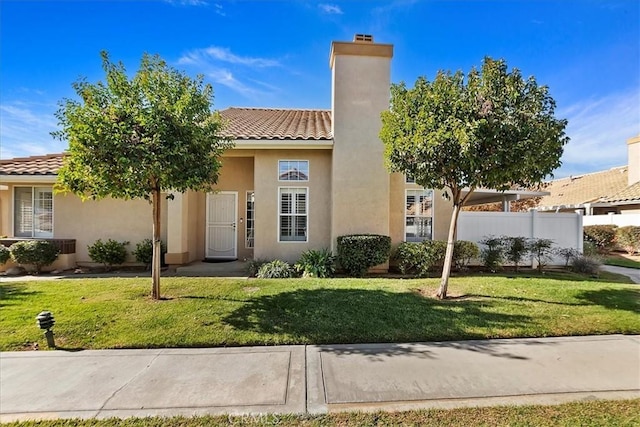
column 316, row 379
column 632, row 273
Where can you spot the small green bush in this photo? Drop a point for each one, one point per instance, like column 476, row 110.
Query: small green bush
column 108, row 253
column 144, row 252
column 603, row 236
column 492, row 255
column 589, row 248
column 5, row 254
column 515, row 249
column 408, row 255
column 422, row 258
column 568, row 254
column 38, row 253
column 542, row 251
column 463, row 252
column 359, row 252
column 628, row 238
column 586, row 265
column 276, row 269
column 253, row 266
column 313, row 263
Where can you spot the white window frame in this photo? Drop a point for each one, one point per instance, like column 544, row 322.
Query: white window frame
column 294, row 180
column 253, row 219
column 33, row 220
column 432, row 216
column 280, row 214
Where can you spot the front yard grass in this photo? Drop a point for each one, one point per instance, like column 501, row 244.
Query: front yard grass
column 595, row 413
column 207, row 312
column 621, row 261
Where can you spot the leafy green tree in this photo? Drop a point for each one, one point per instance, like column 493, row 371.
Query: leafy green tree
column 489, row 129
column 138, row 137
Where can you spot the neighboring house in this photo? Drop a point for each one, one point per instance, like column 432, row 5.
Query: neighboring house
column 295, row 180
column 614, row 191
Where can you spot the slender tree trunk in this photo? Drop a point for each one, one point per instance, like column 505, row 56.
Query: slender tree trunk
column 448, row 258
column 157, row 246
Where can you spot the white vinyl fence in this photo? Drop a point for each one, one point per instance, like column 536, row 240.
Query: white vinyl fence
column 620, row 220
column 565, row 229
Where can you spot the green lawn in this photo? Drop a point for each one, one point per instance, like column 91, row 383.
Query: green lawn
column 206, row 312
column 622, row 262
column 595, row 413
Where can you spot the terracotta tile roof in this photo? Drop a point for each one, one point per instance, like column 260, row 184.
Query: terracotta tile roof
column 631, row 193
column 587, row 188
column 273, row 123
column 35, row 165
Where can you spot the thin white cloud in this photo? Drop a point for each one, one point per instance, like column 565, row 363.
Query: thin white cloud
column 217, row 8
column 25, row 128
column 187, row 2
column 330, row 9
column 598, row 129
column 215, row 53
column 226, row 78
column 223, row 66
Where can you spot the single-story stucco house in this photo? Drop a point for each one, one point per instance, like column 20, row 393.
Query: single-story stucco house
column 295, row 180
column 612, row 191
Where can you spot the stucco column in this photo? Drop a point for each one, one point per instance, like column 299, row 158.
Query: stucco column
column 177, row 230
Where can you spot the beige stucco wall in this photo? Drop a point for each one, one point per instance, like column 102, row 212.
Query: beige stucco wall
column 360, row 181
column 121, row 220
column 266, row 203
column 86, row 222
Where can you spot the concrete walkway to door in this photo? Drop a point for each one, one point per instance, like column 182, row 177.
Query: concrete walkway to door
column 235, row 268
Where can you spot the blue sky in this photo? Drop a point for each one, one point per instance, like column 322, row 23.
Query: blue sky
column 275, row 54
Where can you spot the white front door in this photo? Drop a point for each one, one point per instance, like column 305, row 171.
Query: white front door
column 221, row 232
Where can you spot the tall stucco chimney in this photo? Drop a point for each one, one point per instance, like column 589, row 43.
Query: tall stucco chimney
column 633, row 150
column 361, row 77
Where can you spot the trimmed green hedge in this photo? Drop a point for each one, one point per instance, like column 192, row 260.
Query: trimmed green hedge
column 422, row 258
column 38, row 253
column 603, row 236
column 359, row 252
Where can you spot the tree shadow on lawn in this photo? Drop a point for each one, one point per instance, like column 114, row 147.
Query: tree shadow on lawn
column 12, row 291
column 614, row 299
column 336, row 316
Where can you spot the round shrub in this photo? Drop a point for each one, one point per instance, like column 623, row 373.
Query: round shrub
column 420, row 258
column 5, row 254
column 359, row 252
column 144, row 252
column 276, row 269
column 38, row 253
column 108, row 253
column 603, row 236
column 628, row 238
column 463, row 252
column 586, row 265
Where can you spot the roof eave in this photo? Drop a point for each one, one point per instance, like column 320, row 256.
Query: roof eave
column 27, row 179
column 271, row 144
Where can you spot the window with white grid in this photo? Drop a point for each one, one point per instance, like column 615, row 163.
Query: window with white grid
column 33, row 212
column 251, row 218
column 419, row 215
column 292, row 218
